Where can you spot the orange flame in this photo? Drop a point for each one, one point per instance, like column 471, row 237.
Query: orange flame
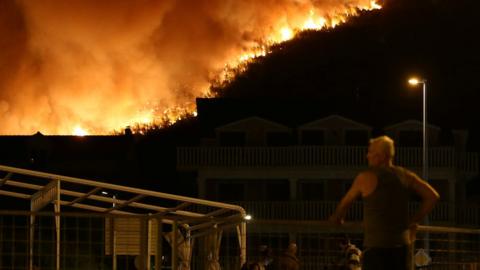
column 79, row 131
column 125, row 68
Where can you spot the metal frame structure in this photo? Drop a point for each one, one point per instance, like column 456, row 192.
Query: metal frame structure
column 197, row 217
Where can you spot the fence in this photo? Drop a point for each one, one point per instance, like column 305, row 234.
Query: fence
column 308, row 156
column 450, row 248
column 85, row 243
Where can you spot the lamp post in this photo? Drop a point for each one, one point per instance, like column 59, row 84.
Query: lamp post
column 414, row 82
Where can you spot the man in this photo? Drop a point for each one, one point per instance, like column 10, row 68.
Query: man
column 288, row 260
column 384, row 188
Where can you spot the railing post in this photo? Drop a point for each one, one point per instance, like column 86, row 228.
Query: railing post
column 159, row 251
column 113, row 243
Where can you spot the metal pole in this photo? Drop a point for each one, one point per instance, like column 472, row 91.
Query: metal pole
column 57, row 224
column 174, row 245
column 159, row 251
column 425, row 154
column 113, row 243
column 30, row 242
column 425, row 131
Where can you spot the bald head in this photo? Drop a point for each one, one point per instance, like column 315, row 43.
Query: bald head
column 381, row 151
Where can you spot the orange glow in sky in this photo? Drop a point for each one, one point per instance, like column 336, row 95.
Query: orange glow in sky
column 87, row 67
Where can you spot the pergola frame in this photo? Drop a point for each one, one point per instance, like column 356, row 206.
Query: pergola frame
column 197, row 216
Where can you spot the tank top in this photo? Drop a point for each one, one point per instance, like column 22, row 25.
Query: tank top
column 385, row 210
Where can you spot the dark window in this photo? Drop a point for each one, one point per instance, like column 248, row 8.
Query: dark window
column 231, row 192
column 268, row 190
column 278, row 138
column 278, row 190
column 232, row 138
column 336, row 189
column 411, row 138
column 312, row 191
column 446, row 137
column 356, row 137
column 346, row 185
column 441, row 186
column 313, row 137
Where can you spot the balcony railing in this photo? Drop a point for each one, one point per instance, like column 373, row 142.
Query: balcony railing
column 443, row 213
column 317, row 156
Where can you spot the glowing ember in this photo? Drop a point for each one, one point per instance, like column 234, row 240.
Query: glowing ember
column 79, row 131
column 102, row 66
column 286, row 33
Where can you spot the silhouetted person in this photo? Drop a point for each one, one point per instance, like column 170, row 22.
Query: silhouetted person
column 288, row 259
column 350, row 255
column 265, row 259
column 388, row 229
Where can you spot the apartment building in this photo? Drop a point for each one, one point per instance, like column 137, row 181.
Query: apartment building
column 296, row 174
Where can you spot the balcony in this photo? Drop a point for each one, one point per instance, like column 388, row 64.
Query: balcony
column 316, row 156
column 442, row 214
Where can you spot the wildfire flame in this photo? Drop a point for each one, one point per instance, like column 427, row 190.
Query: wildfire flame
column 79, row 131
column 77, row 75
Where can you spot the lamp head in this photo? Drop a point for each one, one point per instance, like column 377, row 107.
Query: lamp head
column 415, row 81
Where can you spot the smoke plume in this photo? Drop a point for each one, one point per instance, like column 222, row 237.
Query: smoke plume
column 103, row 65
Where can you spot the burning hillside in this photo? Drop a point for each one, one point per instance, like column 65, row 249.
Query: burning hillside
column 90, row 67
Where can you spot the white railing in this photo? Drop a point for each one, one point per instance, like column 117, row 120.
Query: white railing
column 443, row 213
column 315, row 156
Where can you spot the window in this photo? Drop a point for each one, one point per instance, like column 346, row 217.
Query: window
column 441, row 186
column 356, row 137
column 278, row 190
column 410, row 138
column 347, row 183
column 232, row 138
column 313, row 137
column 312, row 191
column 268, row 190
column 231, row 192
column 278, row 138
column 336, row 188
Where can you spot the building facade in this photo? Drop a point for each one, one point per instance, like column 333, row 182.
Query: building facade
column 290, row 178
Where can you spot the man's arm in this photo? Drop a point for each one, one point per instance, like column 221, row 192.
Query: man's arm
column 352, row 194
column 427, row 193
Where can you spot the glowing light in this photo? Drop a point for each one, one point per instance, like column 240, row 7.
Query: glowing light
column 286, row 33
column 248, row 217
column 374, row 5
column 79, row 131
column 413, row 81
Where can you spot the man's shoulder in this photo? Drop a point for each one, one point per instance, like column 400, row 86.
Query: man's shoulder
column 367, row 175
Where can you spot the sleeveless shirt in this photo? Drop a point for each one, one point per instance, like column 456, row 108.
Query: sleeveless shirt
column 385, row 210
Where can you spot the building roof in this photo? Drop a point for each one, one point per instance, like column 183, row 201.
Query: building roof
column 327, row 121
column 254, row 120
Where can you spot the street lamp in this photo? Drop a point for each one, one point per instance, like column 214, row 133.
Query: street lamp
column 414, row 82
